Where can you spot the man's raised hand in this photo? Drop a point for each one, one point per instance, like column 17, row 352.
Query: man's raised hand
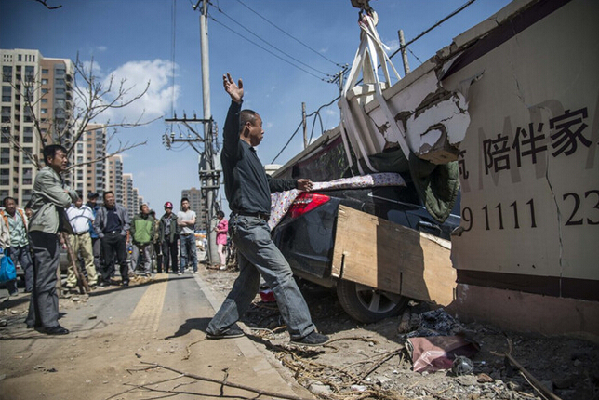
column 235, row 91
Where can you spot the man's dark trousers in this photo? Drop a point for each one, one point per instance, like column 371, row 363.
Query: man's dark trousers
column 43, row 309
column 96, row 243
column 114, row 246
column 169, row 255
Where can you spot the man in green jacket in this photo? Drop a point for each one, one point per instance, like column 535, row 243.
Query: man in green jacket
column 142, row 236
column 50, row 197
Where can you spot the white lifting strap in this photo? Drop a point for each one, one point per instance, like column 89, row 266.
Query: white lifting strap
column 366, row 61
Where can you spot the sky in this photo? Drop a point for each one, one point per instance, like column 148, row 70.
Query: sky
column 284, row 50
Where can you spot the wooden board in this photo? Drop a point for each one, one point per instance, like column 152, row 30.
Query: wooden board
column 391, row 257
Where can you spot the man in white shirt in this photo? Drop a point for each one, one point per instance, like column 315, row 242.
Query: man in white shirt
column 81, row 243
column 186, row 218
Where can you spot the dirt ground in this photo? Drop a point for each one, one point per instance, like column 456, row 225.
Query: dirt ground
column 371, row 362
column 360, row 362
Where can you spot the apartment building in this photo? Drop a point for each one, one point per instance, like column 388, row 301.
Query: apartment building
column 137, row 201
column 114, row 174
column 128, row 202
column 94, row 144
column 33, row 87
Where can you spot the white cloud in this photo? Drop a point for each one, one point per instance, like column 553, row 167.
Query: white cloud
column 135, row 76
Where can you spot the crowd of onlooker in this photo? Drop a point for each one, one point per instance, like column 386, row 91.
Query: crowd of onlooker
column 103, row 237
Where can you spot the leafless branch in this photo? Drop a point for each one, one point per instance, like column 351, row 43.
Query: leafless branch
column 45, row 3
column 226, row 382
column 120, row 150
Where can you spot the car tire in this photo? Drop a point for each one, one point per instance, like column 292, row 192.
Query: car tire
column 366, row 304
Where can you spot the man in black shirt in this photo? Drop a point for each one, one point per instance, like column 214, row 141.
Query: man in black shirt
column 248, row 189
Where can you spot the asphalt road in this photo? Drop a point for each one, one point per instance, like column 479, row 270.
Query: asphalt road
column 116, row 330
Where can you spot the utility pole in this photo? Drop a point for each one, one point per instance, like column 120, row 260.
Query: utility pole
column 304, row 124
column 208, row 175
column 404, row 56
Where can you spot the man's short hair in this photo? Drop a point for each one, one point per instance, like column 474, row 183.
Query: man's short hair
column 246, row 116
column 184, row 199
column 51, row 149
column 6, row 199
column 105, row 193
column 141, row 206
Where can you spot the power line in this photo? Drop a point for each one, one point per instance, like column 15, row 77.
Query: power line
column 436, row 24
column 173, row 47
column 269, row 44
column 267, row 50
column 291, row 36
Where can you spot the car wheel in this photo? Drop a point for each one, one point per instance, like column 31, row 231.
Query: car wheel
column 367, row 304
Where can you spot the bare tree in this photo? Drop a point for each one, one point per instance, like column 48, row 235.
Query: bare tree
column 92, row 97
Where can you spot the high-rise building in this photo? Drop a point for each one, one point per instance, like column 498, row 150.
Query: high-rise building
column 114, row 180
column 95, row 150
column 137, row 199
column 128, row 202
column 197, row 203
column 33, row 88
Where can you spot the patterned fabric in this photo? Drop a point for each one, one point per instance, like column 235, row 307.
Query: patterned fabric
column 280, row 202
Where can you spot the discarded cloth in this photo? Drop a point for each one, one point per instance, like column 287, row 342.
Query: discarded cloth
column 438, row 352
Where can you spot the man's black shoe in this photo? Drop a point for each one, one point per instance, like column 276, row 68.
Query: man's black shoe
column 56, row 330
column 126, row 283
column 231, row 332
column 104, row 284
column 313, row 339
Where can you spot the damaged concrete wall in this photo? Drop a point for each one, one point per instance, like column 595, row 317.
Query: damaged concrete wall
column 529, row 164
column 515, row 100
column 433, row 119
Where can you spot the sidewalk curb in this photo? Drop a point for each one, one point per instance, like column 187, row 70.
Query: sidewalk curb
column 262, row 362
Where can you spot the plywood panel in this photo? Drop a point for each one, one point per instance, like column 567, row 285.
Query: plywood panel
column 391, row 257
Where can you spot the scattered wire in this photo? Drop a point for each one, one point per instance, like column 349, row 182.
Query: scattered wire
column 292, row 37
column 286, row 144
column 316, row 114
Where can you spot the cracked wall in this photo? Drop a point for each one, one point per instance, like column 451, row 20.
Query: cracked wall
column 528, row 162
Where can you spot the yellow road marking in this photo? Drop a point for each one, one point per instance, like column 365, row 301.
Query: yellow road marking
column 146, row 316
